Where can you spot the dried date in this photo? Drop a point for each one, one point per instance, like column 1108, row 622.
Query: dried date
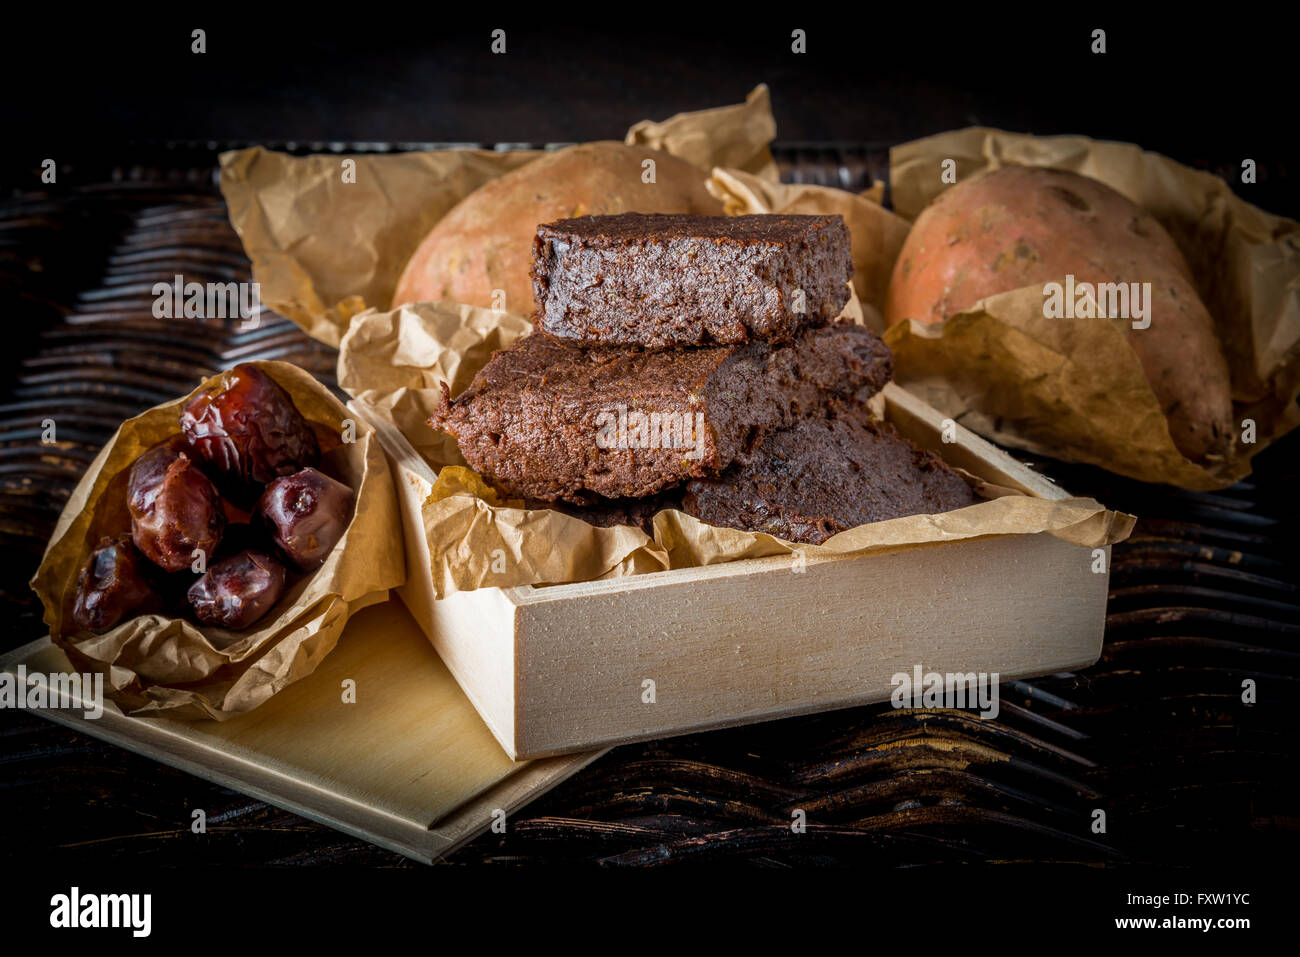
column 115, row 583
column 175, row 509
column 237, row 591
column 307, row 512
column 247, row 432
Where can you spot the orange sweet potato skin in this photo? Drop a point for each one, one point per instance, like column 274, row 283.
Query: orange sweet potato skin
column 1020, row 226
column 485, row 242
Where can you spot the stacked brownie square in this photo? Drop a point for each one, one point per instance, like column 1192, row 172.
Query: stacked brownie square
column 696, row 362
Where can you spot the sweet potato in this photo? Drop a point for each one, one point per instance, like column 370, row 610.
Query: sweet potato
column 485, row 242
column 1021, row 226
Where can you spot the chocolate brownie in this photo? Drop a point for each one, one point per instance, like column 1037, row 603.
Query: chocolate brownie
column 665, row 280
column 550, row 420
column 827, row 473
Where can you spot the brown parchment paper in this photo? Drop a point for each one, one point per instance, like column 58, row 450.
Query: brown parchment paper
column 727, row 136
column 324, row 249
column 158, row 665
column 1072, row 388
column 477, row 540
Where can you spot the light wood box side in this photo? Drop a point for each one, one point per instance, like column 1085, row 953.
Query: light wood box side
column 758, row 640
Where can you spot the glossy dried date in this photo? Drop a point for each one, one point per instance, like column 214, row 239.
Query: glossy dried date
column 307, row 512
column 247, row 431
column 175, row 509
column 237, row 591
column 115, row 583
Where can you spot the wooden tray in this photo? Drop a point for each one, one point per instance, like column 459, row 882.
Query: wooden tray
column 560, row 669
column 410, row 766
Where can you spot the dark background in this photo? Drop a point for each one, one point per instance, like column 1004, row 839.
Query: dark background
column 1203, row 94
